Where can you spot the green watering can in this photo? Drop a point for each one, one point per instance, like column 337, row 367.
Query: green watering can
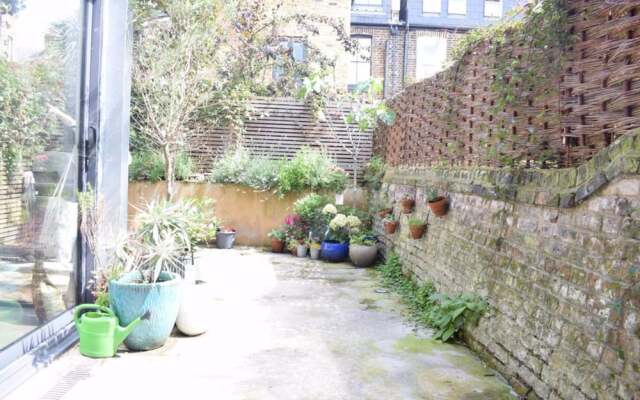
column 99, row 330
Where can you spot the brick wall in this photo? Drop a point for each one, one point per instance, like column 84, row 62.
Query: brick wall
column 557, row 255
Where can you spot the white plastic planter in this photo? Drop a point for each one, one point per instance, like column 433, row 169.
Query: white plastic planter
column 193, row 317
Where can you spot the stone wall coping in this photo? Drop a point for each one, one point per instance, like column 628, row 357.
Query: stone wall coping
column 563, row 187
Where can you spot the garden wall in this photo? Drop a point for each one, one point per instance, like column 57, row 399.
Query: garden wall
column 556, row 253
column 252, row 213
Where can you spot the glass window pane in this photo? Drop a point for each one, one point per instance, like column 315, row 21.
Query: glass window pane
column 431, row 6
column 493, row 8
column 40, row 47
column 360, row 63
column 431, row 55
column 458, row 7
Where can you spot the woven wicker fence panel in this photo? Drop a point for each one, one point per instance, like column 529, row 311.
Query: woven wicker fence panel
column 452, row 118
column 278, row 128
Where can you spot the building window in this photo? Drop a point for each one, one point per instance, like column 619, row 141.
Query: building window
column 431, row 54
column 360, row 63
column 292, row 48
column 431, row 6
column 493, row 8
column 458, row 7
column 367, row 5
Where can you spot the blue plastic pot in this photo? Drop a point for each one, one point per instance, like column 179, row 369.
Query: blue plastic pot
column 334, row 251
column 130, row 299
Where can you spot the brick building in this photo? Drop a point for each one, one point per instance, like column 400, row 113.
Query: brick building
column 403, row 41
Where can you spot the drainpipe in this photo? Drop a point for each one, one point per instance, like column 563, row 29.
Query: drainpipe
column 405, row 55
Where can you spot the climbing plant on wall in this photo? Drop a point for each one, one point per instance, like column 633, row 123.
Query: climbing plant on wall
column 526, row 56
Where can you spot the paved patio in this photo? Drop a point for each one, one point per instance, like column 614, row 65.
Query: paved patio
column 282, row 328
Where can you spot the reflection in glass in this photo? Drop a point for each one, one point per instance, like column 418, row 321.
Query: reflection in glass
column 39, row 96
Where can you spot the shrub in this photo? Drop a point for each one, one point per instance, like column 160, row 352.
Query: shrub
column 148, row 165
column 309, row 207
column 307, row 170
column 310, row 170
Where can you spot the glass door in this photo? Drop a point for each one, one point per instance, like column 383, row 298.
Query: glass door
column 41, row 45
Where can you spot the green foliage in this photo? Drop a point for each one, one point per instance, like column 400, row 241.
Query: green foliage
column 201, row 222
column 149, row 166
column 414, row 221
column 309, row 207
column 278, row 234
column 238, row 166
column 363, row 238
column 25, row 122
column 363, row 215
column 447, row 315
column 374, row 172
column 310, row 169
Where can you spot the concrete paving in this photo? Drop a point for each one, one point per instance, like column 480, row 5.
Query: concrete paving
column 282, row 328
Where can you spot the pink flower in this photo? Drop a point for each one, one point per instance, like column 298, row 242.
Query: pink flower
column 292, row 219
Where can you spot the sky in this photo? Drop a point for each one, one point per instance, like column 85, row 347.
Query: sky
column 31, row 24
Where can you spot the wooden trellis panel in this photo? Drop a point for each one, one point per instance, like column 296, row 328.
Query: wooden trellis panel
column 278, row 129
column 452, row 119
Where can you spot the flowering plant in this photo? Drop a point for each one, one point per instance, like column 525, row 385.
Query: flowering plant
column 342, row 226
column 295, row 228
column 329, row 209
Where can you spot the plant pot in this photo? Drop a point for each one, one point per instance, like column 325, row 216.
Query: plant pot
column 314, row 253
column 130, row 299
column 417, row 231
column 193, row 315
column 225, row 240
column 390, row 227
column 407, row 205
column 363, row 256
column 334, row 251
column 385, row 212
column 439, row 206
column 277, row 246
column 301, row 250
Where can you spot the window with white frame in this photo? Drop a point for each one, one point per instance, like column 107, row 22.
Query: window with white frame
column 493, row 8
column 292, row 48
column 431, row 55
column 367, row 5
column 431, row 6
column 457, row 7
column 360, row 63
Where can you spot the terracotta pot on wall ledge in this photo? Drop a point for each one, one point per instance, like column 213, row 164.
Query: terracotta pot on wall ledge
column 439, row 206
column 417, row 231
column 407, row 205
column 390, row 227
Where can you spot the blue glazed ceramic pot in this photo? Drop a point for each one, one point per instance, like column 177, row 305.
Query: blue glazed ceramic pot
column 334, row 251
column 130, row 299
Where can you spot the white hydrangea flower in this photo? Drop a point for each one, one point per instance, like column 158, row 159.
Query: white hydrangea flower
column 338, row 222
column 330, row 209
column 353, row 221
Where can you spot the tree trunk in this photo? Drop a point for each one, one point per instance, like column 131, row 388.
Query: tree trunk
column 169, row 175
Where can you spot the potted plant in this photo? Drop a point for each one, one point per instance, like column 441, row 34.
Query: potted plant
column 314, row 249
column 292, row 246
column 335, row 247
column 193, row 315
column 301, row 249
column 407, row 204
column 363, row 250
column 383, row 212
column 225, row 238
column 278, row 239
column 439, row 205
column 390, row 224
column 417, row 227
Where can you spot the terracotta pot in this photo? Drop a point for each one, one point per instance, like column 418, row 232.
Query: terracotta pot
column 277, row 246
column 390, row 227
column 417, row 231
column 385, row 212
column 407, row 205
column 439, row 206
